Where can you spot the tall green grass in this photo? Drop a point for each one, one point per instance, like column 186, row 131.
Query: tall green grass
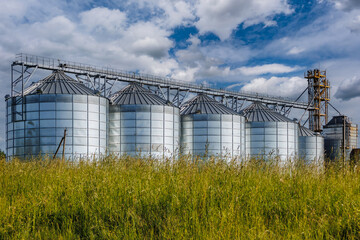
column 133, row 198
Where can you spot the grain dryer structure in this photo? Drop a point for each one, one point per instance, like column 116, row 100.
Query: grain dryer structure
column 341, row 136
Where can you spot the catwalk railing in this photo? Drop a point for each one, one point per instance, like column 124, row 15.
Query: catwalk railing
column 106, row 77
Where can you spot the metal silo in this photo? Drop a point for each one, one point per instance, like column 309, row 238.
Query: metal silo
column 270, row 133
column 143, row 123
column 311, row 145
column 335, row 135
column 209, row 127
column 36, row 121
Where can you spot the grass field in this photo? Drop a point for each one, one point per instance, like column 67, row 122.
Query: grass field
column 130, row 198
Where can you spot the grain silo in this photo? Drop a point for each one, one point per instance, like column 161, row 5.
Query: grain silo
column 335, row 135
column 36, row 121
column 211, row 128
column 311, row 145
column 143, row 123
column 268, row 133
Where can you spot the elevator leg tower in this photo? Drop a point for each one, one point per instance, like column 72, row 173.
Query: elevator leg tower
column 319, row 96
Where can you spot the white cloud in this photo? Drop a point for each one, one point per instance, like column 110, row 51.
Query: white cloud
column 273, row 68
column 209, row 62
column 342, row 73
column 176, row 12
column 295, row 51
column 142, row 46
column 169, row 13
column 57, row 29
column 349, row 89
column 187, row 74
column 355, row 24
column 223, row 16
column 347, row 5
column 103, row 19
column 145, row 38
column 277, row 86
column 333, row 34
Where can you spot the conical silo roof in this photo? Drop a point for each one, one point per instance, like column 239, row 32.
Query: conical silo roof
column 202, row 104
column 305, row 132
column 134, row 93
column 338, row 120
column 58, row 83
column 257, row 112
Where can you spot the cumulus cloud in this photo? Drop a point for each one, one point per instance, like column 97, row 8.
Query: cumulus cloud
column 167, row 13
column 121, row 38
column 295, row 50
column 209, row 62
column 102, row 19
column 186, row 74
column 355, row 24
column 147, row 38
column 278, row 86
column 57, row 29
column 223, row 16
column 141, row 46
column 176, row 12
column 335, row 35
column 349, row 89
column 273, row 68
column 347, row 5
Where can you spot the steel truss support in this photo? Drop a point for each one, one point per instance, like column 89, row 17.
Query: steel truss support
column 104, row 80
column 98, row 83
column 174, row 95
column 20, row 78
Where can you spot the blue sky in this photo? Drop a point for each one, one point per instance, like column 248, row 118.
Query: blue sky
column 252, row 45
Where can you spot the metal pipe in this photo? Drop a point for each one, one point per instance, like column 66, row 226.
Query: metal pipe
column 63, row 153
column 62, row 141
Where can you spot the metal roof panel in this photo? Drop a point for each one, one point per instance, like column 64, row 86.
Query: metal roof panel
column 134, row 93
column 203, row 104
column 258, row 112
column 305, row 132
column 58, row 83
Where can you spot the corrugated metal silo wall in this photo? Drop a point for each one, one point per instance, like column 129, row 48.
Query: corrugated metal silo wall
column 334, row 135
column 213, row 135
column 41, row 126
column 311, row 148
column 148, row 130
column 272, row 139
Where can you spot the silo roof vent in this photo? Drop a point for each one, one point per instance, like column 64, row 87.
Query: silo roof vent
column 203, row 104
column 338, row 120
column 257, row 112
column 134, row 93
column 305, row 132
column 58, row 83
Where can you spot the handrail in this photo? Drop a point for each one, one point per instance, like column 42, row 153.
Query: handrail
column 52, row 63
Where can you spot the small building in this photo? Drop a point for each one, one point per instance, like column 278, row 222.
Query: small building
column 341, row 136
